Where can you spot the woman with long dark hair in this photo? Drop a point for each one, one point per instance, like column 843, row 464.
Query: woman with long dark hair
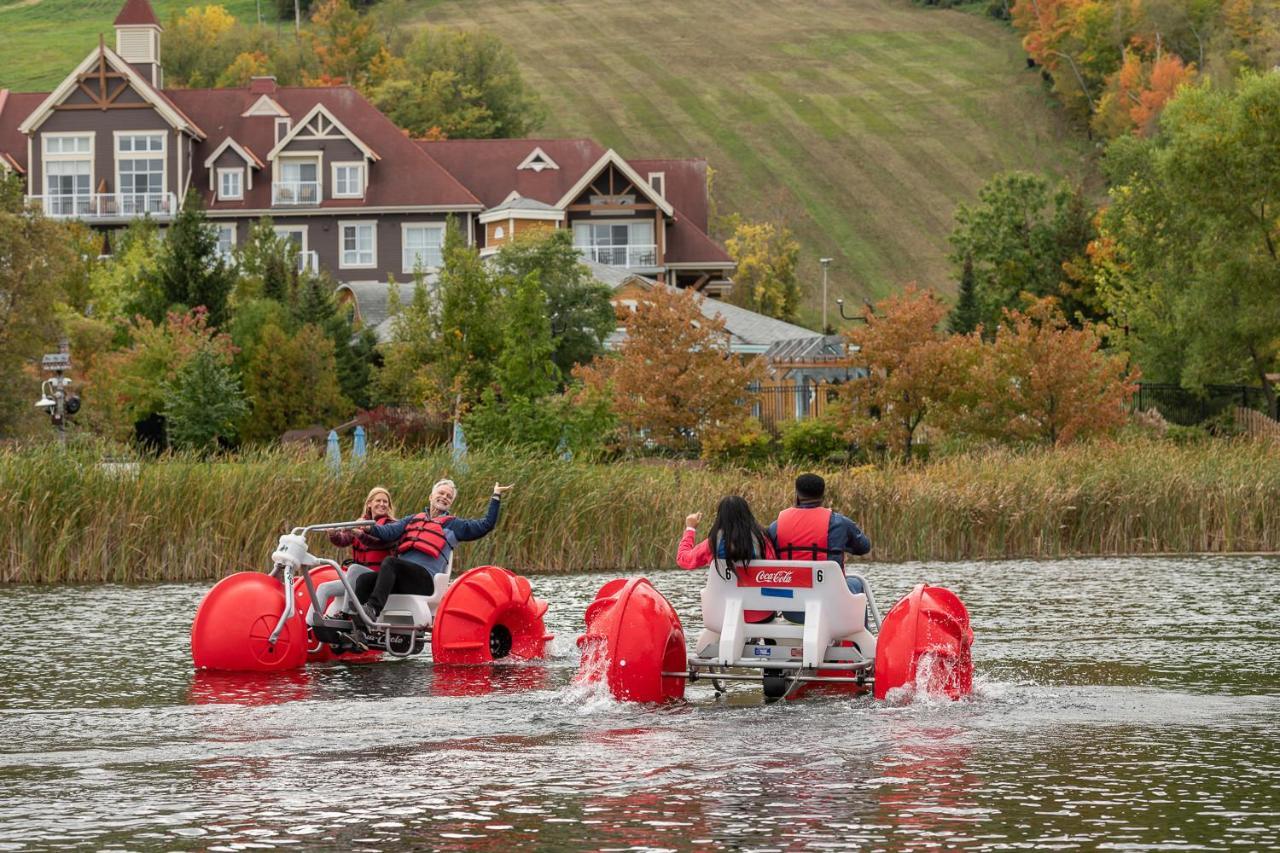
column 736, row 539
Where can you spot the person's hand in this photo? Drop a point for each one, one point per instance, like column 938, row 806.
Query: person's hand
column 692, row 519
column 501, row 490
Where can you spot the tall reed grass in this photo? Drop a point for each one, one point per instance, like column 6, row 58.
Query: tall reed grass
column 66, row 518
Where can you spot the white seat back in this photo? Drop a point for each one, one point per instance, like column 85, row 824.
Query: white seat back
column 817, row 588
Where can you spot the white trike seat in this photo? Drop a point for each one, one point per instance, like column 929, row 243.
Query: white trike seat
column 407, row 611
column 831, row 612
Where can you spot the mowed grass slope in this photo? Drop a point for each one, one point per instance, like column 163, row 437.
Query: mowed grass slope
column 42, row 40
column 859, row 123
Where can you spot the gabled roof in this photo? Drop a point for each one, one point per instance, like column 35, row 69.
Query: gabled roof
column 245, row 154
column 162, row 104
column 265, row 106
column 405, row 178
column 320, row 110
column 490, row 168
column 137, row 13
column 537, row 161
column 608, row 158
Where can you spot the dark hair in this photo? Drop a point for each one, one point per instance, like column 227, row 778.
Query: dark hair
column 737, row 528
column 810, row 487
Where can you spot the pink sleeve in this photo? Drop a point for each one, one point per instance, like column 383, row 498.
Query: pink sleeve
column 691, row 556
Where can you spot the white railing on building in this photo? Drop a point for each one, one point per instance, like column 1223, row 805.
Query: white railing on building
column 295, row 192
column 309, row 262
column 629, row 255
column 91, row 206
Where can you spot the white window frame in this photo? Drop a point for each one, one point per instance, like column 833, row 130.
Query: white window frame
column 226, row 173
column 288, row 126
column 661, row 186
column 163, row 154
column 362, row 179
column 316, row 157
column 221, row 228
column 408, row 268
column 46, row 157
column 283, row 231
column 342, row 244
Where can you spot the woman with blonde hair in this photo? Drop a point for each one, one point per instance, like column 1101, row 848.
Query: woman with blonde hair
column 367, row 553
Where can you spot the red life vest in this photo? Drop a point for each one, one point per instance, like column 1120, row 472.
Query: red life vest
column 802, row 533
column 424, row 534
column 370, row 552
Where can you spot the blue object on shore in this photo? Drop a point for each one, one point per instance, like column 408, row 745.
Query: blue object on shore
column 357, row 445
column 333, row 454
column 459, row 441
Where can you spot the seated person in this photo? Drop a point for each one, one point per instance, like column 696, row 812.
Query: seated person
column 367, row 553
column 810, row 531
column 738, row 539
column 426, row 541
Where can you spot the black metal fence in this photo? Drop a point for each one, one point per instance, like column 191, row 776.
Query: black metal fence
column 1179, row 406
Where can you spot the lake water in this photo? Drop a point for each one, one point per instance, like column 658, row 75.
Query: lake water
column 1119, row 704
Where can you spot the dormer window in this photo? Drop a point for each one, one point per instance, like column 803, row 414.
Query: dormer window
column 537, row 161
column 658, row 180
column 230, row 184
column 348, row 180
column 283, row 126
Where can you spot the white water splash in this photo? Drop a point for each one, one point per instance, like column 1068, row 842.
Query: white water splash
column 589, row 691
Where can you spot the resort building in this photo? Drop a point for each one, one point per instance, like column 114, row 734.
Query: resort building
column 360, row 199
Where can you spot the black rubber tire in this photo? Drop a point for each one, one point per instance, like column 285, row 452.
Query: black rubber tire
column 775, row 684
column 499, row 641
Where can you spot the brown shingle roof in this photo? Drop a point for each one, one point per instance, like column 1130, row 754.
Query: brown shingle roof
column 135, row 13
column 405, row 177
column 13, row 109
column 487, row 167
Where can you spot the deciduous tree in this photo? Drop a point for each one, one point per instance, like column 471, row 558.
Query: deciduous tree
column 292, row 382
column 204, row 402
column 907, row 359
column 1189, row 254
column 765, row 280
column 673, row 378
column 1041, row 380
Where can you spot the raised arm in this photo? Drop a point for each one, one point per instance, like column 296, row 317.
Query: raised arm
column 467, row 529
column 690, row 556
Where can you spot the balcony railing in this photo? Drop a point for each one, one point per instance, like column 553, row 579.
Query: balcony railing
column 308, row 262
column 630, row 255
column 295, row 192
column 90, row 206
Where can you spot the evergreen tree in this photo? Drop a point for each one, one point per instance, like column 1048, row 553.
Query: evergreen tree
column 470, row 325
column 204, row 402
column 965, row 317
column 578, row 307
column 293, row 382
column 317, row 306
column 191, row 273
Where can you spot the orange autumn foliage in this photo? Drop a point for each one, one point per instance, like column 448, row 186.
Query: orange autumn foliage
column 673, row 378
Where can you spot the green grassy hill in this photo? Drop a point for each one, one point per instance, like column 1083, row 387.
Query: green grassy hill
column 859, row 123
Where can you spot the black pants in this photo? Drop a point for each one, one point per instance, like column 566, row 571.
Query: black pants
column 394, row 575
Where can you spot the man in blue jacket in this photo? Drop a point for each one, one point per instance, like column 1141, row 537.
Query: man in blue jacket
column 810, row 531
column 425, row 542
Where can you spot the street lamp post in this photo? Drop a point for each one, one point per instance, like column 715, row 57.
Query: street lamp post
column 857, row 318
column 826, row 262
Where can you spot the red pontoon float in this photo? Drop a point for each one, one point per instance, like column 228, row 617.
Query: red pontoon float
column 248, row 623
column 635, row 644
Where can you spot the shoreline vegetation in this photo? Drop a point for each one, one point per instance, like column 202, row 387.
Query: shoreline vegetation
column 65, row 517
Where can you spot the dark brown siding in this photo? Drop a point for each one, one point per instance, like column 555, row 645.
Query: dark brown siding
column 103, row 124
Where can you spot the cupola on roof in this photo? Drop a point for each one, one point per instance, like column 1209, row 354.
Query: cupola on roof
column 137, row 13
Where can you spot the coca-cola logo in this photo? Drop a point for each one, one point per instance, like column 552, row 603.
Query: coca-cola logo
column 778, row 576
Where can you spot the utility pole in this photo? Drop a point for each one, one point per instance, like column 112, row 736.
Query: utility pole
column 826, row 262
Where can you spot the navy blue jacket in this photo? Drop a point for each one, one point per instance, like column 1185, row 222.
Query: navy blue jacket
column 843, row 536
column 455, row 530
